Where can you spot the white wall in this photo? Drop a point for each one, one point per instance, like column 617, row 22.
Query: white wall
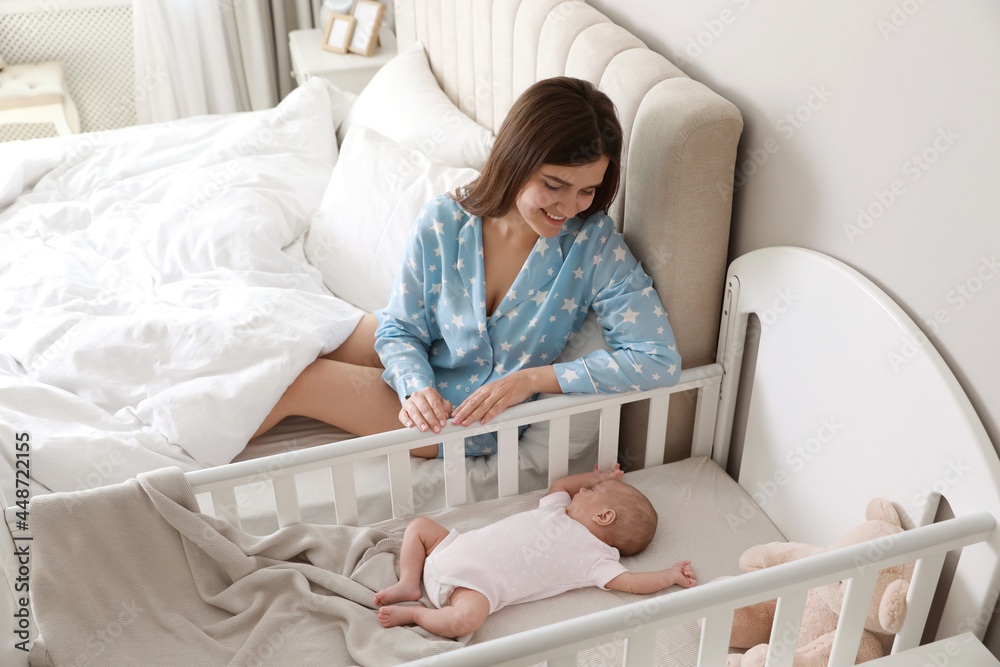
column 873, row 135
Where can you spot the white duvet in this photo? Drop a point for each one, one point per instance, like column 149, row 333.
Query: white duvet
column 154, row 297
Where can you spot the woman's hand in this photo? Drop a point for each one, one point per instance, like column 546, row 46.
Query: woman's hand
column 491, row 399
column 425, row 409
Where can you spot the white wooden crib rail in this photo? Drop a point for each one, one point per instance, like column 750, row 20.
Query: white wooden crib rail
column 281, row 469
column 559, row 644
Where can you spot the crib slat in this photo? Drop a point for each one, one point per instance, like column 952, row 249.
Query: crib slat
column 704, row 421
column 640, row 648
column 656, row 431
column 715, row 632
column 286, row 500
column 923, row 584
column 507, row 468
column 558, row 448
column 454, row 471
column 852, row 618
column 224, row 501
column 400, row 487
column 607, row 448
column 785, row 629
column 203, row 500
column 345, row 495
column 568, row 660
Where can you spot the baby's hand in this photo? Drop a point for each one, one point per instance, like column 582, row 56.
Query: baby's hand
column 683, row 574
column 615, row 473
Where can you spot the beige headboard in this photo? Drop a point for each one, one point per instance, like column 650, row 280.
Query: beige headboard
column 677, row 169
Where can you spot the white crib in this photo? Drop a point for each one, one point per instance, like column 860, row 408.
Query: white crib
column 806, row 354
column 837, row 333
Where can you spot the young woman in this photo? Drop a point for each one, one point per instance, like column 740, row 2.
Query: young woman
column 495, row 280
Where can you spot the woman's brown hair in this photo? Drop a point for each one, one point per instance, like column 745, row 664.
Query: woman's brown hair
column 559, row 121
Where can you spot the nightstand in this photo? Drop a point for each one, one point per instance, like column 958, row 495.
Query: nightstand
column 347, row 71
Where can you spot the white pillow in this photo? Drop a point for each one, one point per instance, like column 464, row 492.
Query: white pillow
column 341, row 102
column 584, row 429
column 404, row 102
column 375, row 193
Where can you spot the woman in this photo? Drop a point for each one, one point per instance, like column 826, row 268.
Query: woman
column 495, row 279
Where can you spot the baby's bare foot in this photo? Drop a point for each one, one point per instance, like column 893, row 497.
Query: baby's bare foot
column 398, row 592
column 390, row 617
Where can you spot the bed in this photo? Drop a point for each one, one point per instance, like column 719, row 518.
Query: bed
column 167, row 301
column 241, row 250
column 178, row 199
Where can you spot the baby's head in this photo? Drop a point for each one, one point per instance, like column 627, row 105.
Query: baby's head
column 616, row 513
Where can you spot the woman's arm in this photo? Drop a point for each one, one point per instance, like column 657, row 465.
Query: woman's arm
column 405, row 334
column 491, row 399
column 644, row 354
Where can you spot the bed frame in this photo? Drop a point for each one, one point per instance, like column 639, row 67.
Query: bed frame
column 824, row 328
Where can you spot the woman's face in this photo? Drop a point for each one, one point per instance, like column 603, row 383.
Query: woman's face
column 556, row 193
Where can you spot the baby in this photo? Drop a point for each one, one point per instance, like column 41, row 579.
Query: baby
column 572, row 540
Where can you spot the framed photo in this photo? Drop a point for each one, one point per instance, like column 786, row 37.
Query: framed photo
column 339, row 30
column 368, row 16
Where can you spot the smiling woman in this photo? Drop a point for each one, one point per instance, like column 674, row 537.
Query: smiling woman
column 536, row 219
column 495, row 280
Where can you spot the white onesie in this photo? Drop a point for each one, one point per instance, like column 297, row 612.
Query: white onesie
column 528, row 556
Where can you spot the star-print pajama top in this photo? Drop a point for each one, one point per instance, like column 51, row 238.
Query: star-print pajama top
column 435, row 331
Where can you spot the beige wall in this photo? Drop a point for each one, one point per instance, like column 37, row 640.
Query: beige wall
column 873, row 135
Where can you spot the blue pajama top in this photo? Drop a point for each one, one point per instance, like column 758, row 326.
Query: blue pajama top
column 435, row 330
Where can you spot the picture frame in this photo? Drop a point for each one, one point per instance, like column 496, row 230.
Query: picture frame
column 339, row 31
column 368, row 16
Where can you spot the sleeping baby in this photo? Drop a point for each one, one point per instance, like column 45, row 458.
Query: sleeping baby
column 574, row 539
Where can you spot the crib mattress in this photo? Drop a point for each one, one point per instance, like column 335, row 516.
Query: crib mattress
column 123, row 533
column 704, row 517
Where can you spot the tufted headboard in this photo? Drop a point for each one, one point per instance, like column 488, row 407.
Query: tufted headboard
column 675, row 201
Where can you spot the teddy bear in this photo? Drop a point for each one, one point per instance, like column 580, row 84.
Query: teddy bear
column 752, row 624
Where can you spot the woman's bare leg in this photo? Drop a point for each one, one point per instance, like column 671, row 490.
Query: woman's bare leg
column 343, row 388
column 346, row 395
column 359, row 348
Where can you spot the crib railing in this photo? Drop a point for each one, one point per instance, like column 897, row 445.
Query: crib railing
column 637, row 624
column 339, row 458
column 558, row 644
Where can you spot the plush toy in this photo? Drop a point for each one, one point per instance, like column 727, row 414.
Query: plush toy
column 752, row 625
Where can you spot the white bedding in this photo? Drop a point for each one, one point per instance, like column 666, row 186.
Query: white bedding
column 155, row 300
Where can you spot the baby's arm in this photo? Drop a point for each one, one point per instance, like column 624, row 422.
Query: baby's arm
column 584, row 480
column 642, row 583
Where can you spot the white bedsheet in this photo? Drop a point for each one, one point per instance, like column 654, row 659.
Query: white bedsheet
column 154, row 297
